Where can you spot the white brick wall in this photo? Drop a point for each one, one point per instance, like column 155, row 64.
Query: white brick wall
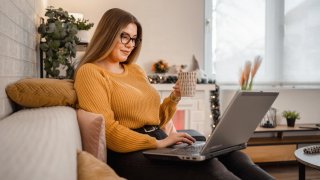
column 19, row 57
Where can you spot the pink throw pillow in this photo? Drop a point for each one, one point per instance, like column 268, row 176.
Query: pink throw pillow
column 169, row 128
column 92, row 130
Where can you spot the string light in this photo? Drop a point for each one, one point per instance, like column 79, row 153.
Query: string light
column 214, row 104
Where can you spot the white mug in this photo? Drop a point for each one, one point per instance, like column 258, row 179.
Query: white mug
column 187, row 83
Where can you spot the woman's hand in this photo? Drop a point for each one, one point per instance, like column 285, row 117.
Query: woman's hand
column 175, row 96
column 176, row 90
column 175, row 138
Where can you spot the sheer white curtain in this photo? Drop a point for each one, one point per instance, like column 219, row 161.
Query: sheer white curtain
column 302, row 42
column 239, row 36
column 284, row 32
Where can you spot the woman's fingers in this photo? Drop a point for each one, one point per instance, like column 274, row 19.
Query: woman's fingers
column 175, row 138
column 176, row 89
column 190, row 137
column 186, row 138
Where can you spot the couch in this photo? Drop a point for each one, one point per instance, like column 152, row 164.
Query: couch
column 45, row 138
column 40, row 143
column 45, row 143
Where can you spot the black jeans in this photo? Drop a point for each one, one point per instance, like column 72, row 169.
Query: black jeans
column 234, row 165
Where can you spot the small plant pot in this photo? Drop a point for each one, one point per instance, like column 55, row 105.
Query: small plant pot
column 291, row 122
column 83, row 36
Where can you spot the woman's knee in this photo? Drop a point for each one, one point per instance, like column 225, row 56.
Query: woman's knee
column 241, row 165
column 236, row 158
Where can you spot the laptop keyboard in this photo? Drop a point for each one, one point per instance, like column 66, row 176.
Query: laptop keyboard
column 190, row 149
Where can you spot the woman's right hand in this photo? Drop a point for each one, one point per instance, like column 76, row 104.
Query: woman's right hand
column 175, row 138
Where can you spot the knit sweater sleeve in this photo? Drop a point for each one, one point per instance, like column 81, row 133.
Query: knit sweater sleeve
column 93, row 91
column 167, row 110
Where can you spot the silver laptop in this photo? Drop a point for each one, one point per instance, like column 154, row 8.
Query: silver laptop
column 236, row 126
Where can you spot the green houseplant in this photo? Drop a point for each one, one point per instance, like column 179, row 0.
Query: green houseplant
column 58, row 42
column 291, row 117
column 83, row 25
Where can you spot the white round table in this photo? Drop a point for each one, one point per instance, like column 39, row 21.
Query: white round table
column 311, row 160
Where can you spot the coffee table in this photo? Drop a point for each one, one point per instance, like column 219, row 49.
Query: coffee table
column 311, row 160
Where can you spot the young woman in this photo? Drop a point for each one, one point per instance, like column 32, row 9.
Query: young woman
column 110, row 83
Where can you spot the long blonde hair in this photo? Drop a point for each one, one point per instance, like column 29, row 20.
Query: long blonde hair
column 106, row 34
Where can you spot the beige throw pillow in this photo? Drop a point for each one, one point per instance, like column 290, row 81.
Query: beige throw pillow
column 36, row 92
column 92, row 130
column 90, row 168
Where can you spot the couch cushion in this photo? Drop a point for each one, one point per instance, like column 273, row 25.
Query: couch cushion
column 36, row 92
column 40, row 143
column 90, row 168
column 92, row 129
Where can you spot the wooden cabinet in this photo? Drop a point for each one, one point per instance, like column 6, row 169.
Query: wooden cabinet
column 269, row 153
column 278, row 144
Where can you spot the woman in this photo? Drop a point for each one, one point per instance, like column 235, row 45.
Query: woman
column 110, row 83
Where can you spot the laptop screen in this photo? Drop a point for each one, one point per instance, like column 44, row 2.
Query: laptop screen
column 240, row 119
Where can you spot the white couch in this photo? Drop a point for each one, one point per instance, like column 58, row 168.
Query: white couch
column 40, row 143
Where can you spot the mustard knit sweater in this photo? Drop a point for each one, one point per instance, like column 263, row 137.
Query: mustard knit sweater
column 127, row 101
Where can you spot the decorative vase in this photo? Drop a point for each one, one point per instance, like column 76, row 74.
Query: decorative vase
column 291, row 122
column 270, row 119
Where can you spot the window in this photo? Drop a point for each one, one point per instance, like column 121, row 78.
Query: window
column 301, row 42
column 283, row 32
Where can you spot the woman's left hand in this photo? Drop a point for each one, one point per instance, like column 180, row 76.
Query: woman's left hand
column 176, row 90
column 175, row 138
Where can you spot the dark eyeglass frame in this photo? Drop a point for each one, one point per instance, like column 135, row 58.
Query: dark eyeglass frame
column 125, row 38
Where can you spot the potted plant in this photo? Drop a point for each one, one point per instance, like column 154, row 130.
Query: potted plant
column 58, row 42
column 291, row 117
column 83, row 26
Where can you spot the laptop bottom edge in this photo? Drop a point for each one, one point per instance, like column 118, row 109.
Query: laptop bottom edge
column 150, row 154
column 225, row 151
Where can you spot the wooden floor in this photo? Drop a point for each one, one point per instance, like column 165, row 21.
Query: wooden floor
column 290, row 172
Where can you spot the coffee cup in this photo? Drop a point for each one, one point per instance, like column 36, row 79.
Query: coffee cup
column 187, row 83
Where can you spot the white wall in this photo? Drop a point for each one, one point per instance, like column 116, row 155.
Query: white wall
column 172, row 29
column 306, row 102
column 18, row 49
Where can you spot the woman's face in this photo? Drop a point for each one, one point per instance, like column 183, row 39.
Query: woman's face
column 124, row 44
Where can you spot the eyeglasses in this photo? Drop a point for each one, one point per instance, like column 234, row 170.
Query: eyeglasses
column 125, row 39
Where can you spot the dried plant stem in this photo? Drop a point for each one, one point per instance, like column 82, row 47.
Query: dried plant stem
column 248, row 73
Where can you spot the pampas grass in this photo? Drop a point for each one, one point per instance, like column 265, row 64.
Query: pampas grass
column 249, row 72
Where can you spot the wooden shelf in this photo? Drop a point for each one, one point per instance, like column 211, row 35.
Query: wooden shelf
column 281, row 146
column 286, row 140
column 82, row 46
column 271, row 154
column 280, row 130
column 285, row 128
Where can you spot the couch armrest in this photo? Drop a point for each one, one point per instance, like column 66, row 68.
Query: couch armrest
column 39, row 143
